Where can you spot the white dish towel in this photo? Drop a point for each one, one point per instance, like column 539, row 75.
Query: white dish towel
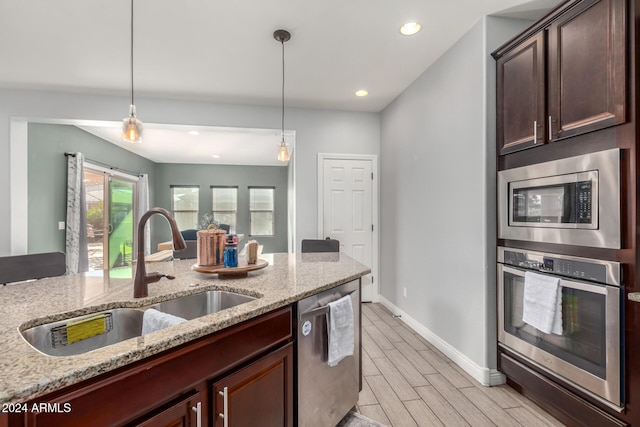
column 542, row 307
column 340, row 329
column 154, row 320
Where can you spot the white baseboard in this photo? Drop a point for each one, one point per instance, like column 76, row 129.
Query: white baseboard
column 484, row 376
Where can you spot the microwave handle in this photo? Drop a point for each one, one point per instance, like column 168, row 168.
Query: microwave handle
column 535, row 131
column 565, row 283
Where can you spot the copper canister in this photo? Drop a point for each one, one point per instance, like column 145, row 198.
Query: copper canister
column 211, row 246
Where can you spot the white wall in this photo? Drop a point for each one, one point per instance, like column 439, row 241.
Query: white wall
column 316, row 131
column 438, row 199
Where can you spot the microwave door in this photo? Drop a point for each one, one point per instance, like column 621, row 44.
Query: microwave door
column 564, row 202
column 553, row 204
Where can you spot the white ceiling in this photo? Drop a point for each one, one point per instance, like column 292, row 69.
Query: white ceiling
column 174, row 143
column 223, row 51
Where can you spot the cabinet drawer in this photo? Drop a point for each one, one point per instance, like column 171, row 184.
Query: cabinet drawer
column 555, row 399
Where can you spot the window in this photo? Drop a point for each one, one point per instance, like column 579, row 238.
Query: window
column 225, row 206
column 261, row 210
column 184, row 204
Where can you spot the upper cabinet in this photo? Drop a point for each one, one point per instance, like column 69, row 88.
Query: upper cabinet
column 563, row 78
column 587, row 68
column 521, row 95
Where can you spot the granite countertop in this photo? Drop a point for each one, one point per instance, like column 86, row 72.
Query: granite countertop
column 27, row 374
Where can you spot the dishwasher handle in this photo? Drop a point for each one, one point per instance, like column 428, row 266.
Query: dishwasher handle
column 319, row 310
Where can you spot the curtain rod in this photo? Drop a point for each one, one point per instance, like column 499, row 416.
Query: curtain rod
column 106, row 166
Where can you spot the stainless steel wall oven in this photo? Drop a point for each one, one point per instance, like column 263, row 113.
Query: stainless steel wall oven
column 571, row 201
column 587, row 352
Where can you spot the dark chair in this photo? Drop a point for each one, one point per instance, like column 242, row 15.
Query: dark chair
column 191, row 251
column 31, row 266
column 326, row 245
column 225, row 227
column 189, row 234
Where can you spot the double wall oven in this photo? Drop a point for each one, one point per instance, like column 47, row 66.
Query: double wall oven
column 573, row 201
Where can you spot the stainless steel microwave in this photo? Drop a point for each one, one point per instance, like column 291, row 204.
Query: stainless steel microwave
column 572, row 201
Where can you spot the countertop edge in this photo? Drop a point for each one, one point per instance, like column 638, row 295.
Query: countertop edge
column 160, row 341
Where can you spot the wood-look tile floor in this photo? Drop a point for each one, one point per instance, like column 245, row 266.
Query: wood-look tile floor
column 408, row 382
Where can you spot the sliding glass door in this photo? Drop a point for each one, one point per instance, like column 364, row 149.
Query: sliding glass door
column 121, row 221
column 111, row 217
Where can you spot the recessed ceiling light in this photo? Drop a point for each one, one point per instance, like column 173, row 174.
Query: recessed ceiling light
column 215, row 156
column 194, row 132
column 362, row 92
column 410, row 28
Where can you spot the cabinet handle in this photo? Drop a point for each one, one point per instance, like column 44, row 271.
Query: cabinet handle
column 550, row 132
column 198, row 410
column 535, row 131
column 225, row 406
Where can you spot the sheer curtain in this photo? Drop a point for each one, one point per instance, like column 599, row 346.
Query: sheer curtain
column 76, row 231
column 143, row 206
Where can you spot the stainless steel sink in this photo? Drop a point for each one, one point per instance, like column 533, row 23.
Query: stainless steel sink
column 92, row 331
column 192, row 306
column 85, row 333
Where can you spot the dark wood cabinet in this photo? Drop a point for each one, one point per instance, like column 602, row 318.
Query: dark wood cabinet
column 573, row 410
column 587, row 69
column 591, row 104
column 259, row 394
column 187, row 412
column 169, row 388
column 521, row 95
column 563, row 78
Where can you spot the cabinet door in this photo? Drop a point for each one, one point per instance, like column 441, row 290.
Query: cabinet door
column 521, row 96
column 587, row 71
column 188, row 412
column 260, row 394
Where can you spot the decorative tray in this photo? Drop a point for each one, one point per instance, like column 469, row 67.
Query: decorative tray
column 240, row 271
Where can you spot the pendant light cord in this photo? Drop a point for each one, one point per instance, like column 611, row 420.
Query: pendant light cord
column 282, row 42
column 132, row 103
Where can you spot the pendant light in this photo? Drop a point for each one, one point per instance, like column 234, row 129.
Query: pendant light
column 282, row 36
column 131, row 126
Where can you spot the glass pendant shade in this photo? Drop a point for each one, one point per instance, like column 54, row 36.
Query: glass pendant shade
column 132, row 127
column 283, row 153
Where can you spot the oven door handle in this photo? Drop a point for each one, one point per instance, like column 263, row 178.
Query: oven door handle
column 565, row 283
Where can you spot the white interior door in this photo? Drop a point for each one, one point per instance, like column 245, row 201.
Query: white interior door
column 348, row 211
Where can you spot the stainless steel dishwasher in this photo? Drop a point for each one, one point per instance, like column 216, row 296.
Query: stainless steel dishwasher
column 325, row 394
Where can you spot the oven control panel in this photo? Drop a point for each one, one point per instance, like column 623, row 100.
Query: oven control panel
column 574, row 268
column 577, row 269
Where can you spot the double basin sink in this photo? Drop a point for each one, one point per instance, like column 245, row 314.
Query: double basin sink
column 89, row 332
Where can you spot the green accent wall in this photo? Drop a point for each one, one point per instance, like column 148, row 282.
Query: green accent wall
column 47, row 184
column 243, row 177
column 47, row 177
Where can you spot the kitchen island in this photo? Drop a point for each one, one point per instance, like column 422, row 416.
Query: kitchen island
column 26, row 374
